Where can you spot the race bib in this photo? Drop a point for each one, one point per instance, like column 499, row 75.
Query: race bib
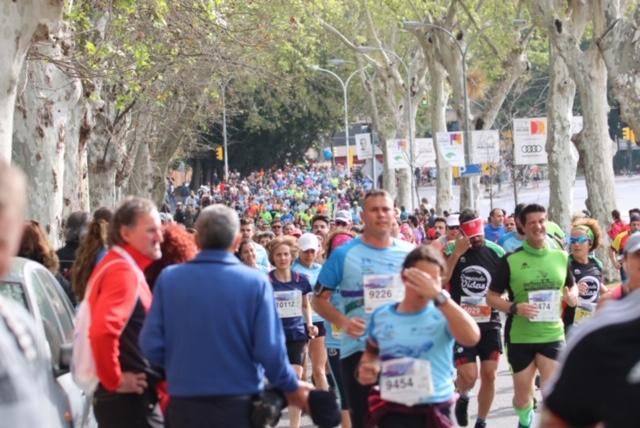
column 289, row 303
column 382, row 289
column 476, row 307
column 548, row 304
column 406, row 381
column 583, row 311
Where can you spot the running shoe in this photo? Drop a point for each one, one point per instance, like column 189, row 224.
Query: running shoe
column 461, row 411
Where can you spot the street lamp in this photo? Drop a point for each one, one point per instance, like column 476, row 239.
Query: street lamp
column 345, row 94
column 365, row 49
column 414, row 25
column 223, row 87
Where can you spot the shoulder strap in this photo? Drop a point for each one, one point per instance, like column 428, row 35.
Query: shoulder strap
column 98, row 274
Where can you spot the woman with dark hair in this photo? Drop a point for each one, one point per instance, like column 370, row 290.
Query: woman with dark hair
column 587, row 270
column 93, row 244
column 247, row 255
column 35, row 246
column 178, row 246
column 409, row 349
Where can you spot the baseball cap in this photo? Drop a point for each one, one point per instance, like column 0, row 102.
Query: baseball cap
column 634, row 217
column 343, row 215
column 633, row 244
column 308, row 241
column 453, row 220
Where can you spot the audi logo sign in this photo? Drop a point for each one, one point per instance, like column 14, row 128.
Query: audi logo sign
column 531, row 148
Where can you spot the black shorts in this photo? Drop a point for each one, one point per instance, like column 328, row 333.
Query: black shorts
column 295, row 352
column 488, row 349
column 520, row 355
column 322, row 331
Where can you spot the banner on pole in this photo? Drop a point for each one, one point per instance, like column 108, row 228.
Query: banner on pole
column 485, row 146
column 451, row 145
column 425, row 153
column 364, row 149
column 529, row 140
column 398, row 152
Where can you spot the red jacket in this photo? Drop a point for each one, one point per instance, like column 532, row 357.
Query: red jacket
column 118, row 307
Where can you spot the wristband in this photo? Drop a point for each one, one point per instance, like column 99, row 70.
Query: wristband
column 513, row 310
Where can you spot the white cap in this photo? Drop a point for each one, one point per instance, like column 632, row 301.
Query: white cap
column 633, row 244
column 343, row 215
column 308, row 241
column 453, row 220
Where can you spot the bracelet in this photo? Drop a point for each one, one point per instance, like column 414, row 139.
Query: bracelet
column 513, row 309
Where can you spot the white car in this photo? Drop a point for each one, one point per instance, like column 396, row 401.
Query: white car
column 31, row 285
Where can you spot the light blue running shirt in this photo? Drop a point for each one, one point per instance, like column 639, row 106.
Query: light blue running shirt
column 344, row 271
column 422, row 335
column 312, row 275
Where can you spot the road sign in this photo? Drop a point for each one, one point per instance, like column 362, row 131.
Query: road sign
column 472, row 170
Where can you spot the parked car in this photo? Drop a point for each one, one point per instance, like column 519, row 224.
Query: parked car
column 31, row 285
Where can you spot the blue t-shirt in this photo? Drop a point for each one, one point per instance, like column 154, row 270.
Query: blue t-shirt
column 262, row 258
column 312, row 275
column 510, row 242
column 330, row 341
column 294, row 327
column 422, row 335
column 344, row 271
column 494, row 234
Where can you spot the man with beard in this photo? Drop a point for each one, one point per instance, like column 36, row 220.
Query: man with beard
column 472, row 264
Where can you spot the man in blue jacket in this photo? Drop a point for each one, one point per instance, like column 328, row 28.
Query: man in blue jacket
column 214, row 329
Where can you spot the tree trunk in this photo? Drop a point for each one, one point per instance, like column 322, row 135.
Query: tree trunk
column 40, row 126
column 438, row 102
column 562, row 162
column 139, row 182
column 76, row 184
column 21, row 22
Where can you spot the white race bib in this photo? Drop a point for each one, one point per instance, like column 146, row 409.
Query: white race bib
column 476, row 307
column 548, row 304
column 584, row 310
column 382, row 289
column 289, row 303
column 406, row 381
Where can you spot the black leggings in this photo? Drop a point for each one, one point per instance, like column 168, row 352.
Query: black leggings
column 336, row 372
column 358, row 394
column 115, row 410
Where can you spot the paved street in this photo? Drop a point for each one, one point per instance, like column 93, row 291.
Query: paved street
column 625, row 188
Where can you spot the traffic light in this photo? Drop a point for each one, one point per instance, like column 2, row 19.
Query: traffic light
column 219, row 153
column 628, row 134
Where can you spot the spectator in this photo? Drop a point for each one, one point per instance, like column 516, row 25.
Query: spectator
column 74, row 229
column 90, row 251
column 178, row 246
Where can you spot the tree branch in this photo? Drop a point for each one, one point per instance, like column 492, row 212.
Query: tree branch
column 347, row 42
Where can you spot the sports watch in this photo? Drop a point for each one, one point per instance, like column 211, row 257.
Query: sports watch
column 442, row 297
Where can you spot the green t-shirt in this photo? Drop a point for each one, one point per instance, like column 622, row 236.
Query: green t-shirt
column 535, row 276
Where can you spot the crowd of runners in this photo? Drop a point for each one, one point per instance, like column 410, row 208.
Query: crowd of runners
column 399, row 313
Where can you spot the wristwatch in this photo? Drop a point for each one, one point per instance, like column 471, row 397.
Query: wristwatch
column 513, row 309
column 442, row 297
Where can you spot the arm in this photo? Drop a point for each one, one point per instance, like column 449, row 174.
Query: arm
column 499, row 287
column 549, row 420
column 152, row 340
column 308, row 317
column 369, row 366
column 454, row 253
column 111, row 309
column 268, row 344
column 570, row 289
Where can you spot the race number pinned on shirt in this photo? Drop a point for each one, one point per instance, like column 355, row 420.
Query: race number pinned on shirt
column 406, row 381
column 548, row 304
column 382, row 289
column 584, row 310
column 476, row 307
column 289, row 303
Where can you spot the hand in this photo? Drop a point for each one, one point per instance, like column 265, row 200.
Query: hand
column 423, row 283
column 570, row 296
column 355, row 327
column 132, row 383
column 300, row 397
column 527, row 310
column 583, row 288
column 368, row 373
column 313, row 331
column 462, row 245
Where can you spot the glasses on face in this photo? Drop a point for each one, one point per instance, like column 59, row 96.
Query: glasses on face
column 453, row 227
column 340, row 223
column 276, row 227
column 578, row 240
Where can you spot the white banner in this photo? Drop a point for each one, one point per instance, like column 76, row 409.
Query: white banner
column 486, row 146
column 451, row 145
column 364, row 150
column 425, row 153
column 398, row 152
column 529, row 139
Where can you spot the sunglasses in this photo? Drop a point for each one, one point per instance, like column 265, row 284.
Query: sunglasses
column 454, row 227
column 340, row 223
column 578, row 239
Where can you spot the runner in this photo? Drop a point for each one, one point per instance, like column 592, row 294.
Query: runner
column 537, row 279
column 291, row 292
column 494, row 230
column 620, row 241
column 247, row 229
column 309, row 246
column 410, row 348
column 512, row 241
column 369, row 263
column 586, row 269
column 606, row 349
column 473, row 263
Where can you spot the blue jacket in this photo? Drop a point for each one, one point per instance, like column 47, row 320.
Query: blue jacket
column 214, row 328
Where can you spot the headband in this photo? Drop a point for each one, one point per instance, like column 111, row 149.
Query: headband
column 587, row 230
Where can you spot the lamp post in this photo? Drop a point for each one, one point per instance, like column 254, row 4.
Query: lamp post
column 412, row 25
column 223, row 87
column 414, row 186
column 345, row 95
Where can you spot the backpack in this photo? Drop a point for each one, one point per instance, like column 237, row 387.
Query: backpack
column 83, row 365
